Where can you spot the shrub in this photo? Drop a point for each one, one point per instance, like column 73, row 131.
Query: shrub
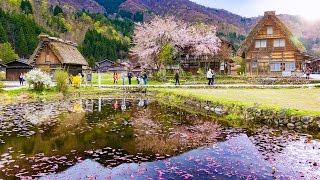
column 45, row 69
column 76, row 81
column 1, row 85
column 38, row 79
column 2, row 75
column 62, row 80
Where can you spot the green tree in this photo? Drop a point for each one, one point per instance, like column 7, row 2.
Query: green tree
column 166, row 54
column 22, row 46
column 138, row 17
column 57, row 10
column 7, row 53
column 3, row 34
column 26, row 7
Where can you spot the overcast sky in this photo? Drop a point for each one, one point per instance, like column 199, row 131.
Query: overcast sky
column 249, row 8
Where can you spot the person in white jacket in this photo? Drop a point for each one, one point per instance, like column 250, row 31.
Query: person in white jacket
column 209, row 76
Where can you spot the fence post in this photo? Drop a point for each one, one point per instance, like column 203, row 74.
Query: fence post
column 99, row 78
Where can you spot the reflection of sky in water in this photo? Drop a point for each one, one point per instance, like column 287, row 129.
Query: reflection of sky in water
column 236, row 158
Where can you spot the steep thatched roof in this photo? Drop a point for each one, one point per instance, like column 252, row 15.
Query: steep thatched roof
column 66, row 51
column 254, row 32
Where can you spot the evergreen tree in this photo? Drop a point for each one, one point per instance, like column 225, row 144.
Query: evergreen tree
column 26, row 7
column 138, row 17
column 7, row 53
column 3, row 34
column 22, row 46
column 57, row 10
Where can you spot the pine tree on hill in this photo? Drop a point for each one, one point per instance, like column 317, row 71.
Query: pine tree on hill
column 22, row 46
column 26, row 7
column 3, row 34
column 57, row 10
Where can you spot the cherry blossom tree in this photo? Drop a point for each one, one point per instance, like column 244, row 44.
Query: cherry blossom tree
column 151, row 37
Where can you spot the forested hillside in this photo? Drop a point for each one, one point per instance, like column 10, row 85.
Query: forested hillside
column 21, row 31
column 21, row 21
column 103, row 28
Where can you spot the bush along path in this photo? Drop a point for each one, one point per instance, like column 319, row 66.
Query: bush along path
column 238, row 115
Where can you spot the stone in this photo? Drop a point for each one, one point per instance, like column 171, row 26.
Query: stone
column 218, row 111
column 306, row 119
column 297, row 124
column 294, row 119
column 207, row 108
column 290, row 125
column 212, row 109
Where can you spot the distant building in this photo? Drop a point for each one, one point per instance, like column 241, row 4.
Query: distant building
column 55, row 53
column 271, row 49
column 111, row 66
column 104, row 65
column 15, row 68
column 314, row 64
column 218, row 63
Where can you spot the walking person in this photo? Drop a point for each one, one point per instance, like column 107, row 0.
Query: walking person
column 123, row 77
column 308, row 72
column 130, row 76
column 21, row 79
column 115, row 78
column 213, row 77
column 138, row 79
column 209, row 76
column 145, row 78
column 177, row 77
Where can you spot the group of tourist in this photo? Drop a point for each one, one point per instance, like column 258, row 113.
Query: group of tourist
column 142, row 79
column 21, row 79
column 211, row 77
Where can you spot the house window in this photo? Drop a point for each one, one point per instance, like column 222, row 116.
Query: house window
column 290, row 66
column 269, row 30
column 261, row 43
column 254, row 64
column 279, row 43
column 275, row 66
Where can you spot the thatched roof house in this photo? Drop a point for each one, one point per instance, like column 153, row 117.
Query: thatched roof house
column 55, row 53
column 271, row 48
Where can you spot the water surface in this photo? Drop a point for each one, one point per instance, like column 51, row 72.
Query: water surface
column 140, row 139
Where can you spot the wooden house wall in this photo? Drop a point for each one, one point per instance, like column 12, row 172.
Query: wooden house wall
column 264, row 56
column 47, row 57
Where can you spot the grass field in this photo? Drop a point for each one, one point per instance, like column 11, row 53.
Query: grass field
column 107, row 79
column 302, row 101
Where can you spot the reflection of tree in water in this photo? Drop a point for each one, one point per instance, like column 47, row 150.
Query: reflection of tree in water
column 172, row 134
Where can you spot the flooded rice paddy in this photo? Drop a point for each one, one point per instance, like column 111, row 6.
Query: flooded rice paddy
column 141, row 139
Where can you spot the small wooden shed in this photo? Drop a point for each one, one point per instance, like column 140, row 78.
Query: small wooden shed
column 55, row 53
column 15, row 68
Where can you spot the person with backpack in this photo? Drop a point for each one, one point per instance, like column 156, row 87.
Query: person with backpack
column 145, row 78
column 177, row 77
column 130, row 76
column 213, row 77
column 209, row 76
